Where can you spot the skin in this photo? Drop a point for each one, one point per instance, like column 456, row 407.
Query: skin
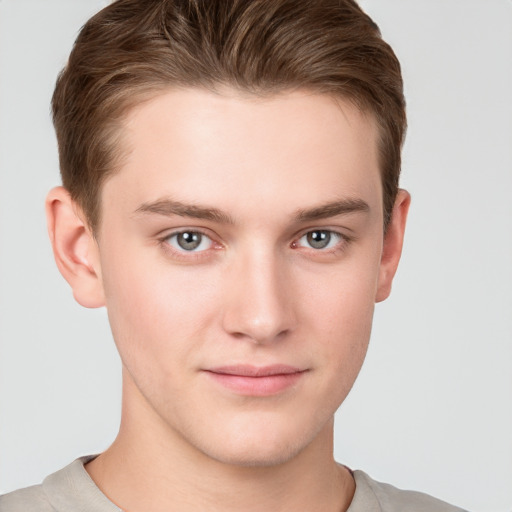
column 251, row 178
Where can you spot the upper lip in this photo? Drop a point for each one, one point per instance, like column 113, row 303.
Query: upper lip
column 245, row 370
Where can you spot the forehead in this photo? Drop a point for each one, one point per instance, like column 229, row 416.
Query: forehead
column 298, row 147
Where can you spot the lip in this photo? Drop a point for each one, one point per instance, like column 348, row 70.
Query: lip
column 251, row 380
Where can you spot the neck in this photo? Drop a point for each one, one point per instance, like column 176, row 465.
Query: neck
column 150, row 468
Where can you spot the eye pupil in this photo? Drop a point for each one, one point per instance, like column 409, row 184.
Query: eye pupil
column 319, row 239
column 189, row 240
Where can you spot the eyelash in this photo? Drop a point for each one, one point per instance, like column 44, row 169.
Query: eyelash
column 328, row 233
column 164, row 241
column 184, row 254
column 343, row 241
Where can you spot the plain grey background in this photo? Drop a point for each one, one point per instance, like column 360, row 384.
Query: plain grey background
column 432, row 408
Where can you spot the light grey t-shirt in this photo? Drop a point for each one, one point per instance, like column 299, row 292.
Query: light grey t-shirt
column 72, row 490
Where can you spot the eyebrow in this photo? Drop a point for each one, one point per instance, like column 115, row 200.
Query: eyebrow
column 169, row 207
column 333, row 209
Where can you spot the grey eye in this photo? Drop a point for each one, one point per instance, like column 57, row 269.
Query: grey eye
column 320, row 239
column 190, row 241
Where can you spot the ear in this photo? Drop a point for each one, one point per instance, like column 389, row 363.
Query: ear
column 74, row 248
column 393, row 242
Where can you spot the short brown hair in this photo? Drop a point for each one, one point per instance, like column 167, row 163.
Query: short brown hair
column 134, row 49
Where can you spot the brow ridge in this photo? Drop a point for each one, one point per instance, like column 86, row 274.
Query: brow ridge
column 168, row 207
column 333, row 209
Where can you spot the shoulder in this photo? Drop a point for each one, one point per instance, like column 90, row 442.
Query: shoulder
column 69, row 489
column 31, row 498
column 376, row 496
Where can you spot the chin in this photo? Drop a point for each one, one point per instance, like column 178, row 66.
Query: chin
column 265, row 447
column 253, row 457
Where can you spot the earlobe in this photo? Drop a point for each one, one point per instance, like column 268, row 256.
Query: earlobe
column 392, row 247
column 74, row 248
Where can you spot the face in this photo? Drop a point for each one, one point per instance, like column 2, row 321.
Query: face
column 240, row 256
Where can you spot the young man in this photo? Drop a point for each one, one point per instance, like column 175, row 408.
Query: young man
column 230, row 194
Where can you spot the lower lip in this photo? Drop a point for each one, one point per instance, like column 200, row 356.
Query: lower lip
column 267, row 385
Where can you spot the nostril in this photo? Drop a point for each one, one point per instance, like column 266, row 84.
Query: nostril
column 257, row 303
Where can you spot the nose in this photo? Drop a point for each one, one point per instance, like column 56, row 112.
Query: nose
column 259, row 299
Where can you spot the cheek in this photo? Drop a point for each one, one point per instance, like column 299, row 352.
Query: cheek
column 339, row 311
column 156, row 311
column 344, row 323
column 343, row 299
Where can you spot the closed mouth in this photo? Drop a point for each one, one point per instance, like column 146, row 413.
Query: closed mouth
column 257, row 381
